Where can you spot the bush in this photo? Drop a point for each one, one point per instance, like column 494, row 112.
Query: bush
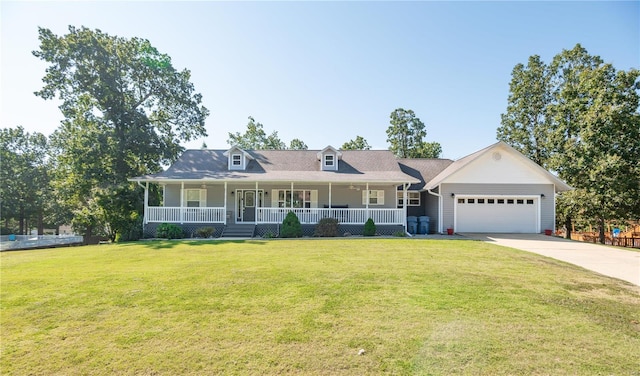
column 291, row 227
column 130, row 230
column 327, row 227
column 400, row 234
column 205, row 232
column 169, row 231
column 369, row 228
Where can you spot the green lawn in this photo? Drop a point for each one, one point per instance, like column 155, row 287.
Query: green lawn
column 308, row 306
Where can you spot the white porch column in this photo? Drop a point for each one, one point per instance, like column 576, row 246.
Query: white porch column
column 367, row 188
column 181, row 202
column 145, row 219
column 329, row 195
column 291, row 195
column 256, row 201
column 225, row 203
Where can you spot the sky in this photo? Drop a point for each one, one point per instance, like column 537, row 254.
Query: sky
column 326, row 72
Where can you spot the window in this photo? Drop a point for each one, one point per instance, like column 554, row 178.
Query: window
column 461, row 201
column 329, row 159
column 471, row 201
column 481, row 201
column 500, row 201
column 413, row 198
column 510, row 201
column 236, row 160
column 376, row 197
column 529, row 202
column 193, row 197
column 520, row 201
column 301, row 198
column 491, row 201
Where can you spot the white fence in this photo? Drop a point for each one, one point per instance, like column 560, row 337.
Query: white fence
column 276, row 215
column 9, row 242
column 344, row 216
column 185, row 215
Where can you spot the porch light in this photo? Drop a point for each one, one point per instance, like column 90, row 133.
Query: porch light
column 542, row 195
column 453, row 194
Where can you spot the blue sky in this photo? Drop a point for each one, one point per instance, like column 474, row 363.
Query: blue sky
column 326, row 72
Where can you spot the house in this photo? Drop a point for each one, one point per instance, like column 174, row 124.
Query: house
column 496, row 189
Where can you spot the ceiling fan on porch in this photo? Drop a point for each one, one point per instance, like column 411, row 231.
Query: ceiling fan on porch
column 353, row 187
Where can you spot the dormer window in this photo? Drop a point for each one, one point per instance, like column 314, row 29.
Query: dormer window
column 236, row 160
column 329, row 160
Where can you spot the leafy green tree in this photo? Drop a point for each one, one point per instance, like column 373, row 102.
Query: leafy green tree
column 297, row 144
column 405, row 136
column 358, row 144
column 24, row 173
column 579, row 117
column 526, row 123
column 255, row 138
column 126, row 109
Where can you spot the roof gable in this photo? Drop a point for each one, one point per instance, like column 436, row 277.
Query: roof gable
column 498, row 163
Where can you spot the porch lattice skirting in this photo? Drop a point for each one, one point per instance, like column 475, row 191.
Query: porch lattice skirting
column 274, row 229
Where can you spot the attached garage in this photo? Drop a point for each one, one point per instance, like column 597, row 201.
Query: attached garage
column 497, row 214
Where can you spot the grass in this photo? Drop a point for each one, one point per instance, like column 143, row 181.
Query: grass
column 308, row 306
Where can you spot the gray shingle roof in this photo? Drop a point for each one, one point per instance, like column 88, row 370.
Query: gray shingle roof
column 423, row 170
column 379, row 166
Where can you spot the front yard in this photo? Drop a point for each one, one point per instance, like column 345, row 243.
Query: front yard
column 310, row 307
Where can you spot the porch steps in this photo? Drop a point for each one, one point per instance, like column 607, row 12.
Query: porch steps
column 238, row 231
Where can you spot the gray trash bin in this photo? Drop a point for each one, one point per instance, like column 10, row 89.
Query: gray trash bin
column 412, row 224
column 423, row 224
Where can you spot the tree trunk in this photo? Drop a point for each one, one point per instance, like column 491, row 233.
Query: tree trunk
column 40, row 223
column 567, row 225
column 21, row 221
column 601, row 230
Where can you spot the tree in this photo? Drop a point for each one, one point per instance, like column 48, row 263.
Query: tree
column 24, row 173
column 526, row 123
column 579, row 117
column 255, row 138
column 126, row 109
column 358, row 144
column 297, row 144
column 406, row 133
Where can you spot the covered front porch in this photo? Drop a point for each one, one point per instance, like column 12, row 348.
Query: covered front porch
column 268, row 203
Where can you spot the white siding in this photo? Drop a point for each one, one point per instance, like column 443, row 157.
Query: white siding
column 498, row 166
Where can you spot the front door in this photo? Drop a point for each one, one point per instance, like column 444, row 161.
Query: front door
column 247, row 204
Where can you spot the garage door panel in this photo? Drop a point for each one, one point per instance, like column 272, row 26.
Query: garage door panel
column 485, row 214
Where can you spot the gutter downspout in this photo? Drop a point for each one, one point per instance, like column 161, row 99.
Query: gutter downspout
column 439, row 196
column 404, row 207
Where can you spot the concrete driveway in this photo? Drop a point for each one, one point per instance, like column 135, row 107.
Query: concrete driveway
column 610, row 261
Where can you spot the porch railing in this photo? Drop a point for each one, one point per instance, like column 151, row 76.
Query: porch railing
column 185, row 215
column 344, row 216
column 276, row 215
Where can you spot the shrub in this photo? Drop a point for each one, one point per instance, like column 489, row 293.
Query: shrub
column 169, row 231
column 130, row 229
column 369, row 228
column 326, row 227
column 400, row 234
column 205, row 232
column 268, row 235
column 291, row 227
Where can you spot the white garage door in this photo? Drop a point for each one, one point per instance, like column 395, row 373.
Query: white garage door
column 497, row 214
